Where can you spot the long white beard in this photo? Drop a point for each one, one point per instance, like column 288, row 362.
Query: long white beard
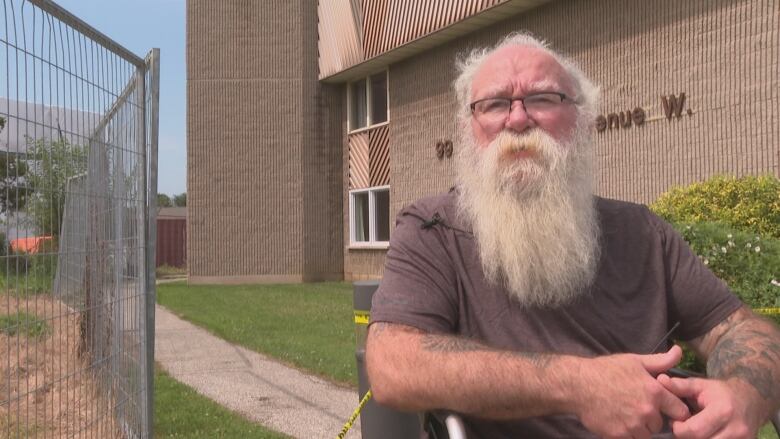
column 534, row 218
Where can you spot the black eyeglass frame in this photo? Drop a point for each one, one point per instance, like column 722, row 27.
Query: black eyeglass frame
column 564, row 98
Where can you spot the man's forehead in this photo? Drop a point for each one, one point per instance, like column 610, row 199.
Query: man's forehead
column 531, row 68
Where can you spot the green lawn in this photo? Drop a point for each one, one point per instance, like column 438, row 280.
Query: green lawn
column 180, row 412
column 310, row 326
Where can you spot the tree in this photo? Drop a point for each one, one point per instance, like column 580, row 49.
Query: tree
column 14, row 184
column 180, row 200
column 164, row 201
column 51, row 165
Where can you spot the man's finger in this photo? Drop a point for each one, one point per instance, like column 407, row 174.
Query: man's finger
column 657, row 363
column 665, row 381
column 682, row 387
column 700, row 425
column 674, row 407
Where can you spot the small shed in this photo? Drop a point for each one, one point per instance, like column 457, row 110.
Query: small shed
column 172, row 237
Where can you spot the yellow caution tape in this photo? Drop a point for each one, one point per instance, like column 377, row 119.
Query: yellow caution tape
column 361, row 317
column 354, row 416
column 767, row 311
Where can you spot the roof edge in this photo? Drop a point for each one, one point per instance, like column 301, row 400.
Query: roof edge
column 436, row 38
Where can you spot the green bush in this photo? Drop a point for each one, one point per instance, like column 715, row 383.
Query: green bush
column 29, row 273
column 747, row 262
column 19, row 263
column 750, row 204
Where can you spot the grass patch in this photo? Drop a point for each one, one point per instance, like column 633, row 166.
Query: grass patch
column 24, row 275
column 22, row 323
column 307, row 325
column 25, row 286
column 180, row 412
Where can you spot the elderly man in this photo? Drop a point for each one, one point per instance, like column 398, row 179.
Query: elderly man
column 532, row 307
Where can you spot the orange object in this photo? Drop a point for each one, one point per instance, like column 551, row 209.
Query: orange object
column 31, row 244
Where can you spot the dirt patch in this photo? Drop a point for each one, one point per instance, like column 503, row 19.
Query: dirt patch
column 47, row 387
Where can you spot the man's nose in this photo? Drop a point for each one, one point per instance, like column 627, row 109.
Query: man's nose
column 518, row 119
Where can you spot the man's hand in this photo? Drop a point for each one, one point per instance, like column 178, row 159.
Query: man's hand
column 621, row 397
column 724, row 411
column 743, row 366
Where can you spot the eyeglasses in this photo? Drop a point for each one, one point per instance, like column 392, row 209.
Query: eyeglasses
column 495, row 110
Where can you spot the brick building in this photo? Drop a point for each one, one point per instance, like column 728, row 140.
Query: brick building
column 310, row 124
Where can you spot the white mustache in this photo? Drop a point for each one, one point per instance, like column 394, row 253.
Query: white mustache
column 511, row 142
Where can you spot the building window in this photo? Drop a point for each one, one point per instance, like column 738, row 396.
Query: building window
column 369, row 216
column 367, row 101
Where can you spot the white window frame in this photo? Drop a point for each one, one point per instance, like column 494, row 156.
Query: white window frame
column 369, row 100
column 372, row 242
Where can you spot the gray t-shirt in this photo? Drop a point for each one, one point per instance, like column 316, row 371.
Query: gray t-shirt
column 648, row 279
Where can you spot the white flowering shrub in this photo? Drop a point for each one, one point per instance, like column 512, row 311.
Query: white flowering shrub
column 747, row 262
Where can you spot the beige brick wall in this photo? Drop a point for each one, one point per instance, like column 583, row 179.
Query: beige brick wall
column 321, row 128
column 263, row 145
column 723, row 55
column 364, row 264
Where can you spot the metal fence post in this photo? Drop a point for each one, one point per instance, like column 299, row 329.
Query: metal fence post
column 153, row 90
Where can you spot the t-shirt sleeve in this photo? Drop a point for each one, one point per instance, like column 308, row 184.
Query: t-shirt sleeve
column 697, row 298
column 419, row 285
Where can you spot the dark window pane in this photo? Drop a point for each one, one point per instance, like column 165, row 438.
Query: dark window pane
column 379, row 98
column 357, row 117
column 361, row 217
column 382, row 199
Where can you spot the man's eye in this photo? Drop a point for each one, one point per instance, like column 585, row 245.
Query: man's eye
column 494, row 105
column 543, row 99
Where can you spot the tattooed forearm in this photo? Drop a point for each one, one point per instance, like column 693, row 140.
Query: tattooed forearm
column 444, row 343
column 749, row 350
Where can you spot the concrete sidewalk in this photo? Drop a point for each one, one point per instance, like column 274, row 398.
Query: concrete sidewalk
column 263, row 390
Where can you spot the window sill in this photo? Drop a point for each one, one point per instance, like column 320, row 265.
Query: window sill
column 369, row 128
column 369, row 246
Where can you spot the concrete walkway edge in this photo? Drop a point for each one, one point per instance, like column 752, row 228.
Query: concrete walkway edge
column 263, row 390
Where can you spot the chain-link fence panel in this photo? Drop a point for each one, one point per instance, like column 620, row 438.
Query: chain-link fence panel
column 78, row 145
